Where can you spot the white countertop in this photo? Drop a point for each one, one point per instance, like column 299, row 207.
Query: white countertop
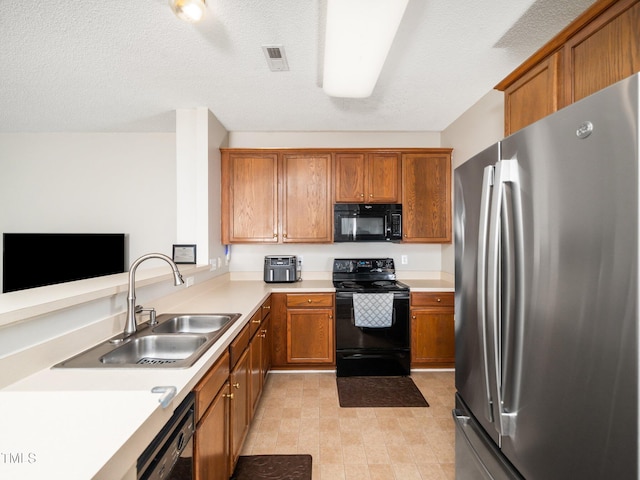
column 418, row 285
column 94, row 423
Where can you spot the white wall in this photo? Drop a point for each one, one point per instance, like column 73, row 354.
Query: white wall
column 476, row 129
column 199, row 137
column 91, row 182
column 218, row 138
column 117, row 182
column 333, row 139
column 318, row 258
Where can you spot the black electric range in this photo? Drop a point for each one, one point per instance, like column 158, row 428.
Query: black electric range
column 371, row 346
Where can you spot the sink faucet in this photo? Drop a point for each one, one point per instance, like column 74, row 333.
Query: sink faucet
column 130, row 325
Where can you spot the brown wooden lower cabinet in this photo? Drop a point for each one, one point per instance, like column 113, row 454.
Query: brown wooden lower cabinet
column 432, row 329
column 211, row 446
column 211, row 441
column 302, row 326
column 227, row 397
column 266, row 348
column 240, row 408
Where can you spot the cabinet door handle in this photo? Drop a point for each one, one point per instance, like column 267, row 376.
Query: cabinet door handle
column 236, row 385
column 228, row 395
column 275, row 235
column 413, row 317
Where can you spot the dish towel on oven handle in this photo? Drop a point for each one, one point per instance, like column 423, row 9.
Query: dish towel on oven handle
column 373, row 310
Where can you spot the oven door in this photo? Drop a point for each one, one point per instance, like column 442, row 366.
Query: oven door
column 372, row 351
column 349, row 336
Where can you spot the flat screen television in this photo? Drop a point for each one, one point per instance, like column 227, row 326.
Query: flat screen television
column 32, row 260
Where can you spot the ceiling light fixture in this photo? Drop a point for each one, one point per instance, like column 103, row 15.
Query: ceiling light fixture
column 188, row 10
column 358, row 37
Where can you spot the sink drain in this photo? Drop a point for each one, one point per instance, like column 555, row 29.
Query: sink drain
column 155, row 361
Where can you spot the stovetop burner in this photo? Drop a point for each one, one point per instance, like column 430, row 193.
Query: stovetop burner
column 366, row 275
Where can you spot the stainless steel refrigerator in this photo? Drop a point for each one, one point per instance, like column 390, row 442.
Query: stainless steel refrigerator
column 546, row 260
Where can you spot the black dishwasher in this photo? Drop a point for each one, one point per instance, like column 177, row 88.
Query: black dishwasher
column 160, row 457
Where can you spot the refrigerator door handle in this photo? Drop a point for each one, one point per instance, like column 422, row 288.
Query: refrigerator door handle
column 513, row 322
column 506, row 171
column 487, row 183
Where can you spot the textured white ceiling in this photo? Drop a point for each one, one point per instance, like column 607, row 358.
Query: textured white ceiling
column 126, row 65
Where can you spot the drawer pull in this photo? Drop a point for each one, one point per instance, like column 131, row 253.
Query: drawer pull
column 439, row 300
column 309, row 300
column 236, row 385
column 228, row 395
column 257, row 320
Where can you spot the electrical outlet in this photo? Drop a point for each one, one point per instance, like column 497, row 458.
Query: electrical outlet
column 404, row 259
column 190, row 281
column 212, row 264
column 219, row 262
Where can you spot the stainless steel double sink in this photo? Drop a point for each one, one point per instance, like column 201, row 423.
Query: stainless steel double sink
column 175, row 341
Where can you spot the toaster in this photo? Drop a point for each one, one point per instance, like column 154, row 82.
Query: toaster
column 281, row 269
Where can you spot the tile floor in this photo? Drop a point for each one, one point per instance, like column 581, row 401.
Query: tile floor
column 299, row 413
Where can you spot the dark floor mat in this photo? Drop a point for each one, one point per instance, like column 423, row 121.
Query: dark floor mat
column 379, row 392
column 273, row 467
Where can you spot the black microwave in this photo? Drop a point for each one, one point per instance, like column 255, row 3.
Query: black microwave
column 359, row 222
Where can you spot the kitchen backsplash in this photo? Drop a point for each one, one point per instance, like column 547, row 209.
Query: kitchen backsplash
column 319, row 258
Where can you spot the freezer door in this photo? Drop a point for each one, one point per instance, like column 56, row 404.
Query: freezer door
column 569, row 375
column 477, row 457
column 475, row 376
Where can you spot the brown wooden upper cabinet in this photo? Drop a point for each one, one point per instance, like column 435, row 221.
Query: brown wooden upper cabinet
column 275, row 197
column 249, row 197
column 426, row 196
column 367, row 177
column 599, row 48
column 307, row 216
column 287, row 195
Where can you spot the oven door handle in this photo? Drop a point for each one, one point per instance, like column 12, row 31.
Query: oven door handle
column 396, row 295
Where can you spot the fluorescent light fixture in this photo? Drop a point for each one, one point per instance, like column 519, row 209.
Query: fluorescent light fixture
column 357, row 40
column 188, row 10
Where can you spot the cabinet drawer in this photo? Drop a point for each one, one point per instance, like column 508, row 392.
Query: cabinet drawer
column 266, row 308
column 254, row 323
column 301, row 300
column 432, row 299
column 239, row 345
column 210, row 385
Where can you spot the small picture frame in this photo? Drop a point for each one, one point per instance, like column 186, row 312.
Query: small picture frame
column 184, row 253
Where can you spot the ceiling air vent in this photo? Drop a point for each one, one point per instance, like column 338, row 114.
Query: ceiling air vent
column 276, row 58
